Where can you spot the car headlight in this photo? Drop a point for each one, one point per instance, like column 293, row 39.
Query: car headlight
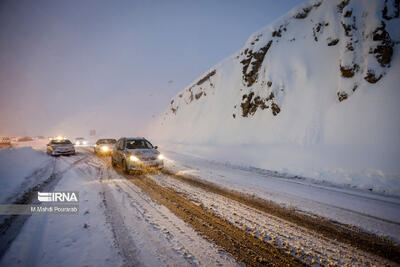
column 77, row 142
column 104, row 148
column 133, row 158
column 85, row 142
column 161, row 156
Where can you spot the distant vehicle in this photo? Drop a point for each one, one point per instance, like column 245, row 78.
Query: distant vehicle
column 58, row 137
column 25, row 139
column 104, row 146
column 58, row 147
column 5, row 142
column 80, row 141
column 136, row 154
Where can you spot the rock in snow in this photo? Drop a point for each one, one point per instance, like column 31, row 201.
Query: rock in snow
column 314, row 93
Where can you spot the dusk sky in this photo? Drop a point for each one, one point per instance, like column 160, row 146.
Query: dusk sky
column 70, row 66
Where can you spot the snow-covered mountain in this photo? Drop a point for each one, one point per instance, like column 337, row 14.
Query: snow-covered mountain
column 315, row 93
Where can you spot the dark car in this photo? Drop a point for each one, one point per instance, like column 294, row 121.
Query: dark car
column 136, row 154
column 104, row 146
column 25, row 139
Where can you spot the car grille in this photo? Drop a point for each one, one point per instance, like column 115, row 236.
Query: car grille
column 148, row 159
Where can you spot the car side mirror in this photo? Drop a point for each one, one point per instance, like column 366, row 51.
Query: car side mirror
column 155, row 147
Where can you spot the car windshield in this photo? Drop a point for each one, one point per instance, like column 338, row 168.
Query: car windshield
column 106, row 141
column 138, row 144
column 60, row 142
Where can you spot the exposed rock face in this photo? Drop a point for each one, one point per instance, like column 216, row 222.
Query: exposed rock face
column 195, row 92
column 250, row 104
column 371, row 77
column 394, row 6
column 205, row 78
column 252, row 63
column 332, row 42
column 349, row 71
column 384, row 50
column 316, row 89
column 364, row 55
column 342, row 96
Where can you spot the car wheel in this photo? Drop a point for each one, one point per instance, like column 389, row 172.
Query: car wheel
column 125, row 167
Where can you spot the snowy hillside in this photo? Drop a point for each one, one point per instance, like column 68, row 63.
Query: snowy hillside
column 316, row 93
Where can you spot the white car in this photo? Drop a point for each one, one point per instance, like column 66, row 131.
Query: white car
column 60, row 147
column 136, row 154
column 80, row 141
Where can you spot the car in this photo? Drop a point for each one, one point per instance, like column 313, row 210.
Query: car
column 5, row 142
column 80, row 141
column 25, row 139
column 136, row 154
column 58, row 147
column 104, row 146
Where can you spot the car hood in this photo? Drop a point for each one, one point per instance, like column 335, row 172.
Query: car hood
column 143, row 153
column 62, row 145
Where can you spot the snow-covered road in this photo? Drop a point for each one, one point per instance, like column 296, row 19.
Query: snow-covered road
column 372, row 212
column 123, row 223
column 298, row 241
column 117, row 225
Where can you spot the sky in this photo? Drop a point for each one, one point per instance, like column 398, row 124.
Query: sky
column 70, row 66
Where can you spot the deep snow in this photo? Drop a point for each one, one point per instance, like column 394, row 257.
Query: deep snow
column 17, row 170
column 295, row 101
column 369, row 211
column 117, row 225
column 68, row 240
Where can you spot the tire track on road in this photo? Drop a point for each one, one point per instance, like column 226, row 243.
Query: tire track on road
column 353, row 236
column 120, row 232
column 241, row 245
column 244, row 247
column 154, row 229
column 302, row 243
column 12, row 225
column 212, row 227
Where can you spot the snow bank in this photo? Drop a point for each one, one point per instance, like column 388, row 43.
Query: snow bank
column 39, row 144
column 314, row 94
column 16, row 165
column 84, row 239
